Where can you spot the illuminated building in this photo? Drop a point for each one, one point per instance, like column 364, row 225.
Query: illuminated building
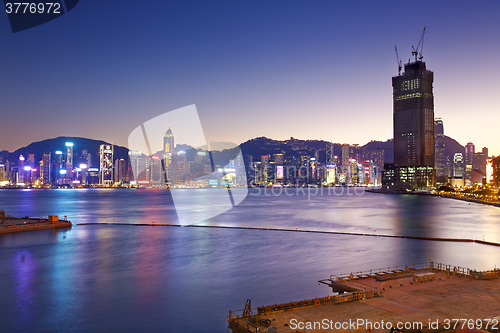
column 314, row 169
column 280, row 174
column 331, row 173
column 490, row 171
column 106, row 165
column 31, row 160
column 169, row 154
column 20, row 172
column 345, row 159
column 3, row 177
column 458, row 166
column 479, row 160
column 368, row 172
column 413, row 112
column 69, row 160
column 304, row 170
column 83, row 171
column 470, row 151
column 439, row 152
column 156, row 171
column 58, row 160
column 120, row 171
column 45, row 169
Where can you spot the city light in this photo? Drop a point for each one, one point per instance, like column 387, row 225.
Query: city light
column 27, row 168
column 69, row 144
column 62, row 172
column 83, row 166
column 58, row 152
column 489, row 171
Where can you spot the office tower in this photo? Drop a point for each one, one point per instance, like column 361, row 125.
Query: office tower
column 58, row 164
column 2, row 173
column 31, row 160
column 83, row 171
column 69, row 159
column 414, row 127
column 120, row 171
column 469, row 153
column 169, row 155
column 45, row 169
column 106, row 165
column 479, row 160
column 139, row 164
column 345, row 158
column 468, row 159
column 458, row 166
column 439, row 152
column 20, row 170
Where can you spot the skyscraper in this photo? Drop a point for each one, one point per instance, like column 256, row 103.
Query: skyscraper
column 169, row 155
column 45, row 167
column 413, row 107
column 439, row 152
column 470, row 151
column 106, row 165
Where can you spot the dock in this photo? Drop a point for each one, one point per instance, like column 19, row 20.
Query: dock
column 424, row 297
column 10, row 224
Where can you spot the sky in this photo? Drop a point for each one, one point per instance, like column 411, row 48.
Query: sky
column 316, row 69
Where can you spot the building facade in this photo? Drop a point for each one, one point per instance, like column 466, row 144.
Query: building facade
column 413, row 112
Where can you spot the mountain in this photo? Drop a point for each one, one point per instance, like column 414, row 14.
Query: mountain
column 79, row 144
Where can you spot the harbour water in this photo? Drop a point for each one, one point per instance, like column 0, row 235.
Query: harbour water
column 126, row 278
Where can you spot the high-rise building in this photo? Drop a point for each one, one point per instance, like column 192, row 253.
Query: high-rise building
column 413, row 107
column 69, row 159
column 470, row 151
column 169, row 155
column 45, row 169
column 120, row 171
column 479, row 160
column 20, row 168
column 458, row 166
column 106, row 165
column 439, row 152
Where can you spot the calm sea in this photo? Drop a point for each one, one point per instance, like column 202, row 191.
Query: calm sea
column 125, row 278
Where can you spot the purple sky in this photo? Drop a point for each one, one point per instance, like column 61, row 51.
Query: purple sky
column 307, row 69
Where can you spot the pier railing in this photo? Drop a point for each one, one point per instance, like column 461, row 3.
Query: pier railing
column 379, row 271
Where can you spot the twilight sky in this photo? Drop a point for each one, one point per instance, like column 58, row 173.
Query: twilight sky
column 316, row 69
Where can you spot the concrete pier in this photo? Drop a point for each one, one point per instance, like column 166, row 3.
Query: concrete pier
column 425, row 299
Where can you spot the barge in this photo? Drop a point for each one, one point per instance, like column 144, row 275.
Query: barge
column 9, row 224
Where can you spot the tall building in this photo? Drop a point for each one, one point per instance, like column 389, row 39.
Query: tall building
column 169, row 155
column 439, row 153
column 120, row 171
column 458, row 166
column 106, row 165
column 69, row 158
column 45, row 169
column 470, row 151
column 413, row 111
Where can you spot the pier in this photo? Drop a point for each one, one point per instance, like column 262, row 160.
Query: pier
column 10, row 224
column 432, row 294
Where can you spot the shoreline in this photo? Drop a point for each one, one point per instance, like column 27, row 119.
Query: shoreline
column 448, row 196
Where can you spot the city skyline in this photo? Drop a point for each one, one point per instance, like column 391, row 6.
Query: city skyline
column 296, row 70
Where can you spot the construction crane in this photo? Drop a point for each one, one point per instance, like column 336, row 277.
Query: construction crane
column 399, row 61
column 415, row 50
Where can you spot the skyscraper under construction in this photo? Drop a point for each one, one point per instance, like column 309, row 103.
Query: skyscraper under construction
column 413, row 107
